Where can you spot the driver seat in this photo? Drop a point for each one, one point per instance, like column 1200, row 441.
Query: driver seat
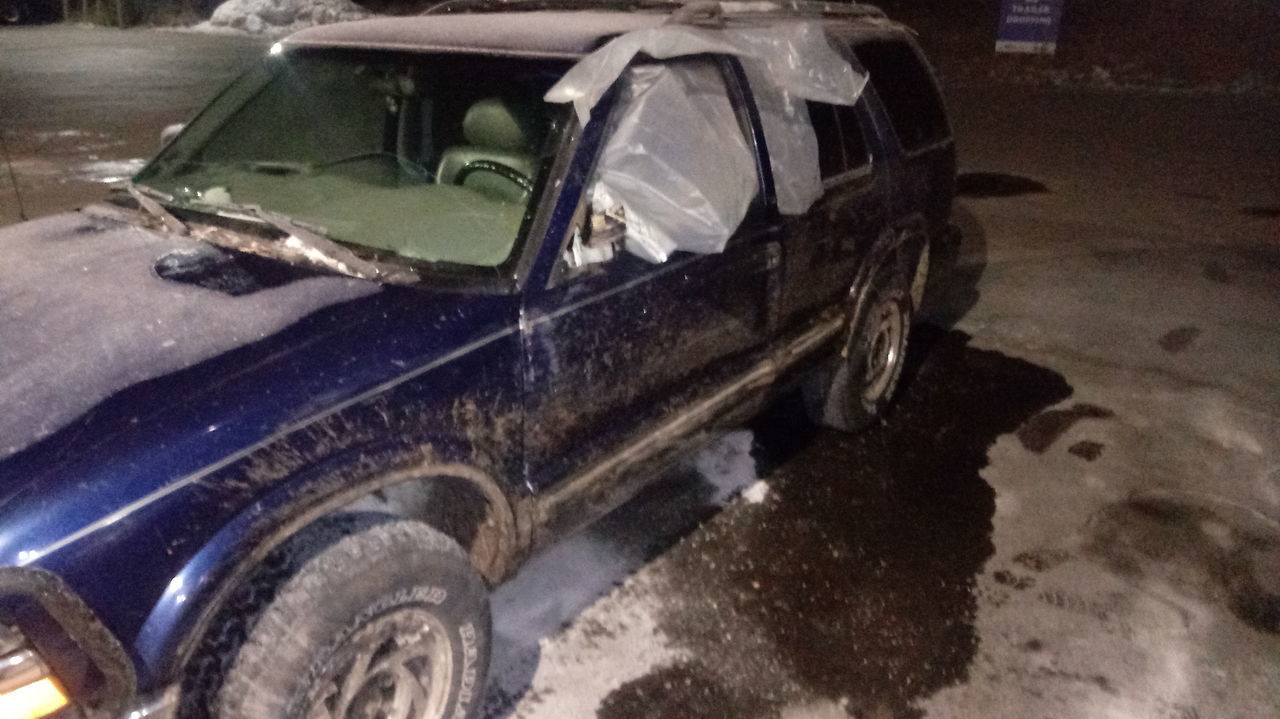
column 498, row 131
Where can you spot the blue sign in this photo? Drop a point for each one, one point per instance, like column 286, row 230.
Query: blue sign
column 1029, row 26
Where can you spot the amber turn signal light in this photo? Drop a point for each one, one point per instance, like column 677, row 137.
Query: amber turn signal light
column 33, row 701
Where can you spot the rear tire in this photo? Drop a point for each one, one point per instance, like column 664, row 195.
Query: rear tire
column 854, row 388
column 388, row 621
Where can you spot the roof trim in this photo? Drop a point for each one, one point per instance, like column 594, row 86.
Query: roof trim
column 547, row 34
column 521, row 34
column 430, row 48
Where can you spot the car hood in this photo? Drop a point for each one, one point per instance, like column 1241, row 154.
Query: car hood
column 91, row 305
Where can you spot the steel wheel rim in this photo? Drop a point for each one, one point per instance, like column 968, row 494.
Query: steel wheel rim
column 884, row 351
column 398, row 666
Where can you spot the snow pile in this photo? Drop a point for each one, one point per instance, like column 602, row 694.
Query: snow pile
column 756, row 493
column 277, row 18
column 727, row 465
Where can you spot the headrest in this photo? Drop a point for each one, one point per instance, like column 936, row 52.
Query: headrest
column 501, row 124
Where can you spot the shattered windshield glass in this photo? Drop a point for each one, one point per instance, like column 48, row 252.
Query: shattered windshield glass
column 426, row 156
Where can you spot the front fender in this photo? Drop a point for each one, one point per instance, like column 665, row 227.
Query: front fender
column 193, row 597
column 89, row 662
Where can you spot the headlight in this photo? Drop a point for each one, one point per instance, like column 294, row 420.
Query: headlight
column 28, row 690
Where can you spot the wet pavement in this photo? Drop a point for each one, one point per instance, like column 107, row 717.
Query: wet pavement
column 81, row 107
column 854, row 581
column 1072, row 510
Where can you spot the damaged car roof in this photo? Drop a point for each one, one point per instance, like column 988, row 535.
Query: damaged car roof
column 541, row 34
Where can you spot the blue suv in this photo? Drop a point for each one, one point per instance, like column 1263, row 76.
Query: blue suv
column 359, row 340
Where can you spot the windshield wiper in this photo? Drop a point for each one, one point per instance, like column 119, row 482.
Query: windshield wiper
column 315, row 246
column 147, row 197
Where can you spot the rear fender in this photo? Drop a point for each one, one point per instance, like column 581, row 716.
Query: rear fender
column 896, row 249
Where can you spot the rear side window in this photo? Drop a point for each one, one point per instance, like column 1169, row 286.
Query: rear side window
column 841, row 145
column 827, row 128
column 855, row 143
column 906, row 88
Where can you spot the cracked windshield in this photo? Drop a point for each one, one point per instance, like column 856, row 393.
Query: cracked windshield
column 426, row 157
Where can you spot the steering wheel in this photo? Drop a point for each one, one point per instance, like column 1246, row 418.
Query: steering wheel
column 507, row 173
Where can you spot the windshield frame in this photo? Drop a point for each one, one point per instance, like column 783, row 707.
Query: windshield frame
column 554, row 158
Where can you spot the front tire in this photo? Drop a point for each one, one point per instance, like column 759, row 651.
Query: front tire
column 852, row 390
column 390, row 621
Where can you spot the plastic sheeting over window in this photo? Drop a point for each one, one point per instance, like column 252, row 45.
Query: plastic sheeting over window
column 677, row 162
column 794, row 54
column 792, row 144
column 786, row 61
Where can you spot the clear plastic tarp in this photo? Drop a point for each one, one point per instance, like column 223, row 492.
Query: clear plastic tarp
column 794, row 54
column 677, row 162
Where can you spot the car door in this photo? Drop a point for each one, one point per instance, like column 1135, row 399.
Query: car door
column 616, row 348
column 823, row 247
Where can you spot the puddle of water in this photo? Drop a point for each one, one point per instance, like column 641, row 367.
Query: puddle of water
column 996, row 184
column 1216, row 272
column 1041, row 431
column 1204, row 551
column 1087, row 450
column 854, row 580
column 1269, row 212
column 1178, row 339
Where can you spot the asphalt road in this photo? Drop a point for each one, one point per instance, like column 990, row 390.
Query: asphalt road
column 1073, row 511
column 81, row 107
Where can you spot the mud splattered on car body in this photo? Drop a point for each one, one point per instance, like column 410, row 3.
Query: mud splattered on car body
column 1222, row 554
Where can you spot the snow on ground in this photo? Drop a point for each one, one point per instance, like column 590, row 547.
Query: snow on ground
column 277, row 18
column 108, row 171
column 565, row 583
